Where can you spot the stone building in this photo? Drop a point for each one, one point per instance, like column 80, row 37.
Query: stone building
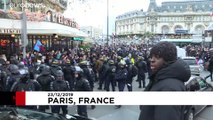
column 188, row 17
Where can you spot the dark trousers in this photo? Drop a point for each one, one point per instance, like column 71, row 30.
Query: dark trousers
column 121, row 85
column 101, row 82
column 82, row 110
column 143, row 81
column 43, row 108
column 108, row 82
column 56, row 109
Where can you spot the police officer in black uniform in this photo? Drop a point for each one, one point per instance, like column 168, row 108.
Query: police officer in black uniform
column 110, row 74
column 3, row 77
column 68, row 71
column 102, row 74
column 132, row 72
column 25, row 84
column 81, row 84
column 88, row 73
column 13, row 77
column 44, row 79
column 142, row 69
column 59, row 85
column 121, row 75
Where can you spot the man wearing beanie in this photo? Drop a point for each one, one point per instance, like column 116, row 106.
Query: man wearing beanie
column 168, row 74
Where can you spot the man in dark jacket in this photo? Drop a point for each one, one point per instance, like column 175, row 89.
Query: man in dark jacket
column 210, row 69
column 142, row 69
column 81, row 84
column 110, row 76
column 59, row 85
column 164, row 65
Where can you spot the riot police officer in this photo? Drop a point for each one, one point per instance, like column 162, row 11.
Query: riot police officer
column 81, row 84
column 102, row 74
column 3, row 77
column 88, row 73
column 110, row 76
column 25, row 84
column 44, row 79
column 13, row 77
column 59, row 85
column 68, row 71
column 121, row 75
column 132, row 72
column 142, row 69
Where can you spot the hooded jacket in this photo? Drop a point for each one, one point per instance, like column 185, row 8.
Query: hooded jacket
column 170, row 77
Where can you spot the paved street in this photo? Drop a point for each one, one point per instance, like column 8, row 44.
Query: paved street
column 131, row 112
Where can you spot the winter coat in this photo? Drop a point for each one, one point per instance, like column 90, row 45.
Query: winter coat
column 169, row 78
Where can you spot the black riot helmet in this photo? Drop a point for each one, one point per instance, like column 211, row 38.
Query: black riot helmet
column 24, row 76
column 45, row 70
column 59, row 75
column 21, row 65
column 41, row 68
column 79, row 72
column 14, row 69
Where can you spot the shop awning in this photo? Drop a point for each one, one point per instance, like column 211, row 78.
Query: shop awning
column 46, row 28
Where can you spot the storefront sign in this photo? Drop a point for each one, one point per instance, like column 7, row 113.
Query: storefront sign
column 10, row 31
column 78, row 39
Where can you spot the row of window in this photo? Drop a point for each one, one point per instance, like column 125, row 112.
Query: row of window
column 196, row 6
column 165, row 29
column 165, row 19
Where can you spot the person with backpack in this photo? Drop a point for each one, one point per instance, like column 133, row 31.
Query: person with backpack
column 59, row 85
column 168, row 74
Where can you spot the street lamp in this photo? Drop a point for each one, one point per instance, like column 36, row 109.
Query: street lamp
column 107, row 22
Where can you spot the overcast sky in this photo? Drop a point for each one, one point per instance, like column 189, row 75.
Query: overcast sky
column 94, row 13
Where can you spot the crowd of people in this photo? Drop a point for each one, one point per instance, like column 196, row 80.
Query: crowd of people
column 113, row 68
column 77, row 69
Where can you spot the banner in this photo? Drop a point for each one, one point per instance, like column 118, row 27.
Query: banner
column 106, row 98
column 38, row 46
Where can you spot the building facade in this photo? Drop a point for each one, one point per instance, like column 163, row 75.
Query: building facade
column 45, row 22
column 92, row 32
column 191, row 16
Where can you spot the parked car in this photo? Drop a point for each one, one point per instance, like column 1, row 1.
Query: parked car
column 196, row 83
column 195, row 68
column 27, row 114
